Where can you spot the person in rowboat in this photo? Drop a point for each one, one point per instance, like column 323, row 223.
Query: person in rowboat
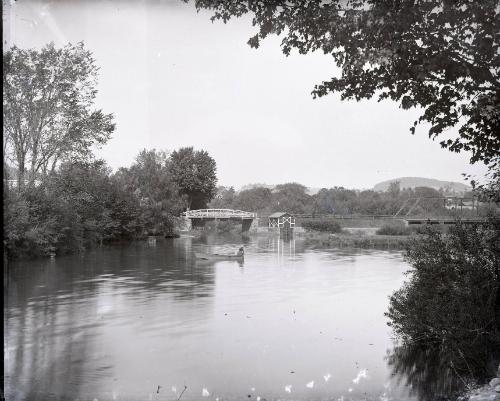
column 241, row 252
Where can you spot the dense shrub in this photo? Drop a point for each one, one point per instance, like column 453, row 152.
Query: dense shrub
column 26, row 232
column 452, row 297
column 329, row 226
column 82, row 204
column 70, row 210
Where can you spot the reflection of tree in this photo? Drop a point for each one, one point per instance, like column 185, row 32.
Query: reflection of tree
column 441, row 371
column 426, row 371
column 48, row 336
column 166, row 267
column 51, row 325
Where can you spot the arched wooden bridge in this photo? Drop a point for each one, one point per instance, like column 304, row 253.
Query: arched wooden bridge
column 218, row 214
column 198, row 217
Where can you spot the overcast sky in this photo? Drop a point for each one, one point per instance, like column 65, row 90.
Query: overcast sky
column 172, row 78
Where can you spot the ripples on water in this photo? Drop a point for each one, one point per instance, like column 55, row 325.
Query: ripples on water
column 117, row 322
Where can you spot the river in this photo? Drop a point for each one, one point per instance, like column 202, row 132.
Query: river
column 146, row 321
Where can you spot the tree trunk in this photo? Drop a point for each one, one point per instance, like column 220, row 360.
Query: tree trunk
column 32, row 172
column 20, row 173
column 6, row 184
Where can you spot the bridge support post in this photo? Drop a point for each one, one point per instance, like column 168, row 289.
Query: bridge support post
column 245, row 225
column 249, row 225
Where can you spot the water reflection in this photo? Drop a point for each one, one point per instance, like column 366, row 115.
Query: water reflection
column 436, row 372
column 426, row 371
column 57, row 309
column 212, row 263
column 50, row 336
column 284, row 248
column 118, row 322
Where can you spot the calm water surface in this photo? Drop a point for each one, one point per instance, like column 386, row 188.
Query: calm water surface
column 117, row 322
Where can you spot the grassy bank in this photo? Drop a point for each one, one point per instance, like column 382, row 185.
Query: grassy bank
column 354, row 222
column 316, row 239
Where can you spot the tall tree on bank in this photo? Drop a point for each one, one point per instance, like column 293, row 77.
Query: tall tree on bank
column 48, row 98
column 441, row 56
column 291, row 197
column 194, row 172
column 152, row 184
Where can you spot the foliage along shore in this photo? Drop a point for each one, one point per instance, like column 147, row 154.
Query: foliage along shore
column 84, row 204
column 316, row 239
column 337, row 234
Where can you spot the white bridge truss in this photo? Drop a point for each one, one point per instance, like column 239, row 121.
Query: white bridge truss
column 218, row 214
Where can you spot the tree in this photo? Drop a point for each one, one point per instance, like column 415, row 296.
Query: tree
column 149, row 178
column 48, row 98
column 336, row 200
column 258, row 199
column 430, row 200
column 194, row 172
column 452, row 298
column 394, row 189
column 442, row 56
column 151, row 182
column 490, row 189
column 291, row 197
column 84, row 207
column 224, row 198
column 73, row 208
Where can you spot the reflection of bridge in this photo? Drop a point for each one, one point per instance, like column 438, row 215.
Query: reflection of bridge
column 202, row 215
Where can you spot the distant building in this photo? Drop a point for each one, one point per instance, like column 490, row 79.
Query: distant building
column 281, row 220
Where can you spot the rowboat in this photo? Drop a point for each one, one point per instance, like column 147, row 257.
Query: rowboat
column 217, row 256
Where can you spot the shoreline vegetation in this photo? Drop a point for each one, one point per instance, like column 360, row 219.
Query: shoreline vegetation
column 83, row 204
column 141, row 217
column 316, row 239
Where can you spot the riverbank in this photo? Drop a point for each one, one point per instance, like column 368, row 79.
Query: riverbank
column 360, row 239
column 348, row 237
column 488, row 392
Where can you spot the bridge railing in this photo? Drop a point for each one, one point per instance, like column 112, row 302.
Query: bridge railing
column 218, row 214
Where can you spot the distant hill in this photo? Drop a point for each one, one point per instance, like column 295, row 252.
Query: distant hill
column 412, row 182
